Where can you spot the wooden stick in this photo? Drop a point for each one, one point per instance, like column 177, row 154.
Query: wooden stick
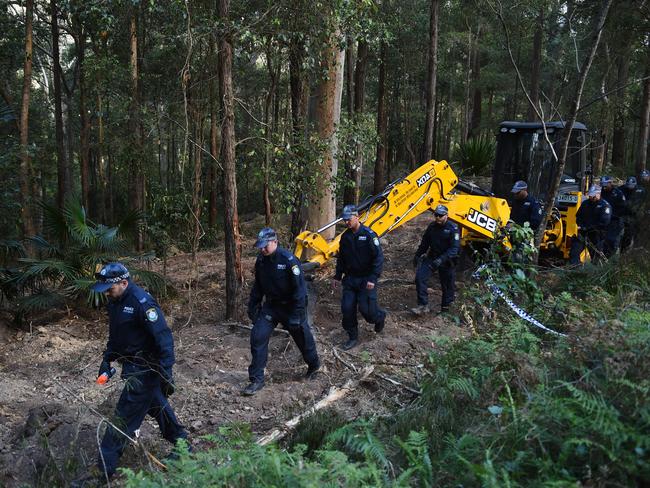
column 349, row 365
column 334, row 395
column 250, row 327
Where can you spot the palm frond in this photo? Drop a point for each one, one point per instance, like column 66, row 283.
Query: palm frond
column 44, row 299
column 154, row 282
column 47, row 270
column 11, row 248
column 129, row 224
column 54, row 222
column 79, row 227
column 40, row 244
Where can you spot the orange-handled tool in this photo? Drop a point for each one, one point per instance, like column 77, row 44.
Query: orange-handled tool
column 104, row 377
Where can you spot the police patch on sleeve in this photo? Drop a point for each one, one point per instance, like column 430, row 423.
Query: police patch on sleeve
column 151, row 315
column 606, row 209
column 295, row 269
column 457, row 236
column 375, row 241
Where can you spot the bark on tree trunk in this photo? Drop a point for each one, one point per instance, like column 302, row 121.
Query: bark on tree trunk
column 618, row 134
column 571, row 119
column 352, row 193
column 214, row 144
column 535, row 64
column 234, row 274
column 328, row 114
column 136, row 183
column 274, row 74
column 477, row 96
column 380, row 161
column 84, row 146
column 644, row 126
column 298, row 115
column 64, row 179
column 432, row 69
column 25, row 162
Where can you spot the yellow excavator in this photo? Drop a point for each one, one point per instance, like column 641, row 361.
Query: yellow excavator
column 480, row 214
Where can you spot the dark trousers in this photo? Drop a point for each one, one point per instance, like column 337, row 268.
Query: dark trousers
column 630, row 230
column 141, row 396
column 356, row 295
column 593, row 240
column 613, row 237
column 266, row 321
column 447, row 274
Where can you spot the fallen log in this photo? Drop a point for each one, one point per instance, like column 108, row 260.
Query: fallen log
column 335, row 393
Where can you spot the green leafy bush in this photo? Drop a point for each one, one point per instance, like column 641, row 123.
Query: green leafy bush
column 476, row 156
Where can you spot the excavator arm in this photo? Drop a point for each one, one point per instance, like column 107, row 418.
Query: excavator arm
column 479, row 214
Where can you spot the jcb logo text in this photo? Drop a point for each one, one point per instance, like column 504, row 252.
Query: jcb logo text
column 423, row 179
column 482, row 220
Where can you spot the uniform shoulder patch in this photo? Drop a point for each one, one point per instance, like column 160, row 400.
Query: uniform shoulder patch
column 606, row 209
column 375, row 241
column 151, row 314
column 295, row 269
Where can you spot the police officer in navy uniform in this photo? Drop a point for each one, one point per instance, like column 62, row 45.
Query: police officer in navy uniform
column 438, row 250
column 616, row 199
column 593, row 218
column 279, row 279
column 141, row 341
column 635, row 196
column 359, row 264
column 525, row 207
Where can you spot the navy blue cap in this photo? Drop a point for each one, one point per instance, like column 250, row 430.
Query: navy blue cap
column 265, row 236
column 110, row 274
column 349, row 211
column 605, row 180
column 630, row 182
column 441, row 210
column 519, row 186
column 593, row 191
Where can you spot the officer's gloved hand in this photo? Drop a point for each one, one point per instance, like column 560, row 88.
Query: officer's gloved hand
column 105, row 367
column 167, row 382
column 436, row 263
column 253, row 312
column 295, row 320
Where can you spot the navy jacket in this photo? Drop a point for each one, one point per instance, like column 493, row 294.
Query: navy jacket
column 616, row 199
column 594, row 215
column 440, row 242
column 526, row 210
column 279, row 278
column 360, row 255
column 138, row 332
column 634, row 198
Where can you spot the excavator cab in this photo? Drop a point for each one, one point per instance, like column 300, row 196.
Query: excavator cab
column 524, row 153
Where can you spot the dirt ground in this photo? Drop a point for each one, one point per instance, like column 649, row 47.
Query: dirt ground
column 48, row 433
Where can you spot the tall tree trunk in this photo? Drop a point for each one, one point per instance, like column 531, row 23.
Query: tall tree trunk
column 274, row 74
column 352, row 193
column 234, row 274
column 214, row 143
column 136, row 180
column 64, row 178
column 535, row 65
column 477, row 96
column 26, row 215
column 350, row 86
column 573, row 113
column 644, row 126
column 618, row 134
column 84, row 133
column 328, row 115
column 432, row 70
column 298, row 116
column 380, row 161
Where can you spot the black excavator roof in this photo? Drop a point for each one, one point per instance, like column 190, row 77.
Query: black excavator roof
column 509, row 124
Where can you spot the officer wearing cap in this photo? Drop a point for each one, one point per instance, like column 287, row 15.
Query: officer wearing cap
column 280, row 281
column 616, row 199
column 634, row 198
column 141, row 341
column 592, row 218
column 438, row 250
column 525, row 207
column 359, row 264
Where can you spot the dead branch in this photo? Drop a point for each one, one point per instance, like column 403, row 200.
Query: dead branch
column 334, row 394
column 348, row 365
column 250, row 327
column 397, row 383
